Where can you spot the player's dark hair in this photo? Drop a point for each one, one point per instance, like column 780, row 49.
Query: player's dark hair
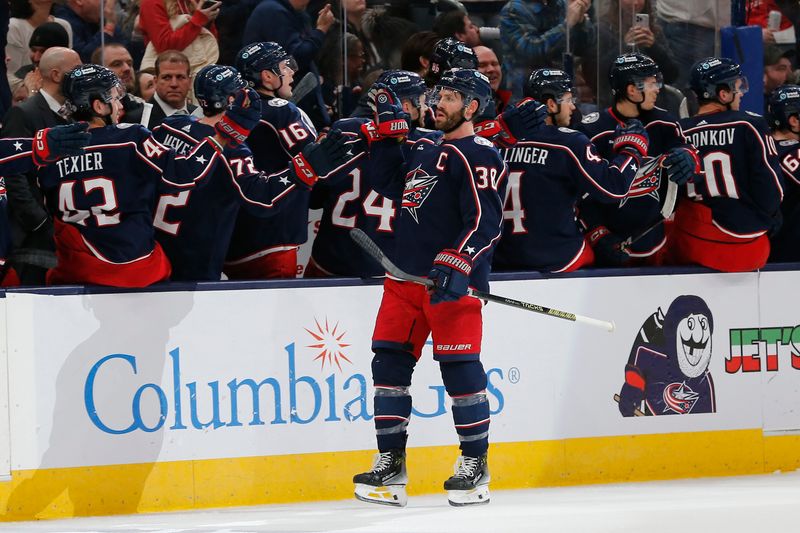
column 418, row 45
column 450, row 23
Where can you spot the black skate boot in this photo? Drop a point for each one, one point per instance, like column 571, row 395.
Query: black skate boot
column 469, row 485
column 386, row 482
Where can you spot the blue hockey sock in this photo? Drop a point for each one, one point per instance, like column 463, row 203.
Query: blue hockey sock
column 391, row 375
column 466, row 384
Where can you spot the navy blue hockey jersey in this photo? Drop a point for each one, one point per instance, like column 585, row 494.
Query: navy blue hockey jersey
column 109, row 192
column 195, row 226
column 14, row 154
column 742, row 183
column 283, row 132
column 633, row 215
column 547, row 175
column 786, row 243
column 451, row 199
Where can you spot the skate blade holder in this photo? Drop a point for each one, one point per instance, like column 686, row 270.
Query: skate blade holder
column 478, row 495
column 394, row 495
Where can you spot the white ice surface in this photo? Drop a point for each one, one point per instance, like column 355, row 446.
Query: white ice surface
column 753, row 504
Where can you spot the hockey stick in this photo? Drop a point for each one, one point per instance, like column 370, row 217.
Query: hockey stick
column 636, row 410
column 34, row 257
column 376, row 253
column 306, row 84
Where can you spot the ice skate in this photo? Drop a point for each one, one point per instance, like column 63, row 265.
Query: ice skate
column 469, row 485
column 386, row 482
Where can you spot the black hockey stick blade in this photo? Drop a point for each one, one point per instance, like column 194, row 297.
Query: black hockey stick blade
column 34, row 257
column 306, row 84
column 369, row 246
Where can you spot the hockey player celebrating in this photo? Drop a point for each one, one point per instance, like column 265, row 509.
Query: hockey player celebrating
column 549, row 170
column 635, row 81
column 267, row 248
column 195, row 226
column 783, row 113
column 351, row 202
column 723, row 221
column 102, row 199
column 450, row 188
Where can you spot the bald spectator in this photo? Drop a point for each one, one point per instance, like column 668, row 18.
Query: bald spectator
column 31, row 226
column 489, row 66
column 117, row 58
column 84, row 18
column 457, row 24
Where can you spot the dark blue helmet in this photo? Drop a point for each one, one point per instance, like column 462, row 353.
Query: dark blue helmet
column 405, row 84
column 86, row 83
column 214, row 84
column 256, row 57
column 711, row 74
column 632, row 69
column 547, row 83
column 471, row 84
column 783, row 103
column 450, row 53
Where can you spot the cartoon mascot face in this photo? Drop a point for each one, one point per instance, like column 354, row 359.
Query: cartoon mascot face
column 693, row 344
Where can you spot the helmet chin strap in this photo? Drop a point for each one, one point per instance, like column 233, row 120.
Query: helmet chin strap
column 637, row 104
column 458, row 124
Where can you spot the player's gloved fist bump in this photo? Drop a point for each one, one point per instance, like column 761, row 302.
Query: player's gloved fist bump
column 631, row 139
column 523, row 119
column 320, row 158
column 607, row 247
column 682, row 164
column 450, row 275
column 51, row 144
column 240, row 118
column 390, row 119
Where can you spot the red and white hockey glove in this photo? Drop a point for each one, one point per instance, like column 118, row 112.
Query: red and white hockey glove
column 320, row 159
column 631, row 140
column 240, row 118
column 518, row 121
column 51, row 144
column 450, row 275
column 390, row 119
column 607, row 247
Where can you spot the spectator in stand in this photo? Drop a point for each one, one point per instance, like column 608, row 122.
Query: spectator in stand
column 183, row 25
column 691, row 29
column 758, row 15
column 145, row 83
column 777, row 69
column 84, row 19
column 29, row 78
column 387, row 33
column 287, row 23
column 617, row 35
column 356, row 9
column 534, row 35
column 117, row 59
column 26, row 16
column 489, row 66
column 31, row 226
column 232, row 15
column 416, row 53
column 457, row 24
column 172, row 88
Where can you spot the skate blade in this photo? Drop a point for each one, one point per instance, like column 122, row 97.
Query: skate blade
column 394, row 495
column 477, row 496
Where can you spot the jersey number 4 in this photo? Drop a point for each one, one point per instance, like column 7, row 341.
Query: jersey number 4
column 103, row 214
column 374, row 205
column 512, row 205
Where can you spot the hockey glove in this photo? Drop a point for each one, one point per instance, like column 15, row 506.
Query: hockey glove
column 240, row 118
column 450, row 275
column 51, row 144
column 390, row 119
column 682, row 164
column 607, row 247
column 320, row 159
column 519, row 121
column 632, row 393
column 631, row 140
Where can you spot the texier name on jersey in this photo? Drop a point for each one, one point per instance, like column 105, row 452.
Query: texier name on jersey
column 712, row 137
column 526, row 154
column 80, row 163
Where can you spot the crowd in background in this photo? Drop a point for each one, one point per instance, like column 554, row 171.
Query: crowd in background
column 156, row 46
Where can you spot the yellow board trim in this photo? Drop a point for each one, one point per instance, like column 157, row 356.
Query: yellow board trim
column 181, row 485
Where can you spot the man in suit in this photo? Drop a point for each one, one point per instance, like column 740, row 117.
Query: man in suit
column 31, row 226
column 173, row 81
column 116, row 58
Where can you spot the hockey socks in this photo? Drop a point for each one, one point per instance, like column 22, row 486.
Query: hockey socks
column 465, row 382
column 391, row 375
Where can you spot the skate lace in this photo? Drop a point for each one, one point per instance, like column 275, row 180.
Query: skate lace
column 382, row 461
column 466, row 467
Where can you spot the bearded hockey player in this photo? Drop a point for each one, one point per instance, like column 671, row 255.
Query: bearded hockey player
column 635, row 81
column 723, row 221
column 450, row 188
column 667, row 371
column 267, row 248
column 195, row 226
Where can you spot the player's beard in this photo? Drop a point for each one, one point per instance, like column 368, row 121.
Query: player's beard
column 450, row 121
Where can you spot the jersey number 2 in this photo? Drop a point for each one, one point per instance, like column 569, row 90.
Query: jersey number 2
column 384, row 211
